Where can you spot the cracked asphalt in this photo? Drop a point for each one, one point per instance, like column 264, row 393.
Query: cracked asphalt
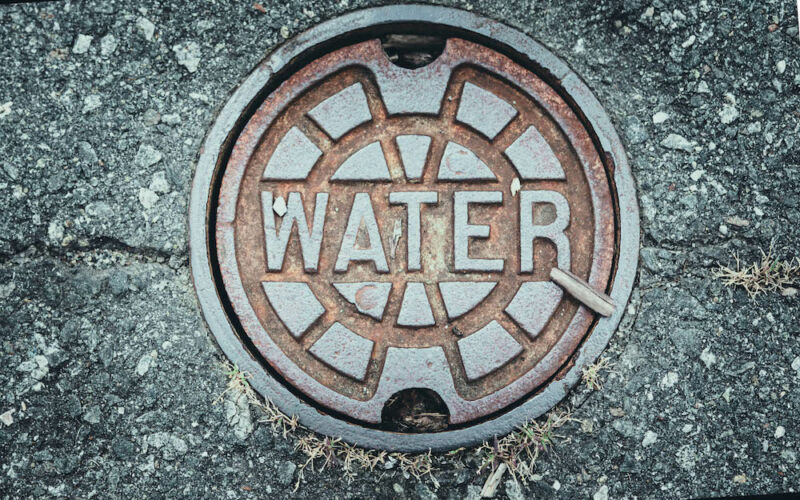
column 111, row 380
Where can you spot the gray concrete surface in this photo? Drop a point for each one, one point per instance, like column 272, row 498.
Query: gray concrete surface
column 112, row 374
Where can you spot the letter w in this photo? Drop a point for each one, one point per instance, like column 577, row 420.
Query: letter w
column 277, row 240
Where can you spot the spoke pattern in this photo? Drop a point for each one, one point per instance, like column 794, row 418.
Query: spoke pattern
column 372, row 142
column 383, row 299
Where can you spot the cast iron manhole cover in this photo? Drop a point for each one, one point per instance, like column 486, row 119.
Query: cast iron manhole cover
column 409, row 241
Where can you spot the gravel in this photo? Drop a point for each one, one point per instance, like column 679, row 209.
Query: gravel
column 675, row 141
column 187, row 55
column 145, row 28
column 286, row 473
column 82, row 43
column 103, row 109
column 660, row 117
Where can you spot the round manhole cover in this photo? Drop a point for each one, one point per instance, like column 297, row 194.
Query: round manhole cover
column 413, row 241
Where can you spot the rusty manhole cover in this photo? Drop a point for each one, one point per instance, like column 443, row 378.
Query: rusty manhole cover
column 409, row 241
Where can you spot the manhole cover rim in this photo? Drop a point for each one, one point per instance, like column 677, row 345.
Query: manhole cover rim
column 504, row 39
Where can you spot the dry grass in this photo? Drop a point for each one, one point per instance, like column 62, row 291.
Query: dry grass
column 520, row 449
column 270, row 414
column 767, row 275
column 324, row 452
column 591, row 374
column 237, row 381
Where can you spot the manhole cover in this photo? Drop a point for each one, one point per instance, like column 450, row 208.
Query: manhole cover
column 413, row 241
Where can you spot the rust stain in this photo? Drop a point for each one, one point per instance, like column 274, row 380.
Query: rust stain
column 590, row 232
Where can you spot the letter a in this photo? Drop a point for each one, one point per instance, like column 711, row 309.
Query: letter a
column 361, row 212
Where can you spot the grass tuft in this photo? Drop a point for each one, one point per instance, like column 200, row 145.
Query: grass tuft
column 767, row 275
column 323, row 452
column 520, row 450
column 591, row 374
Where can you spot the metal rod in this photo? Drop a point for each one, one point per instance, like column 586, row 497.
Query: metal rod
column 598, row 302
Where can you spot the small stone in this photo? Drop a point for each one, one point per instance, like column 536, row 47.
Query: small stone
column 602, row 493
column 780, row 66
column 730, row 98
column 5, row 109
column 151, row 117
column 8, row 417
column 702, row 88
column 675, row 141
column 171, row 119
column 737, row 221
column 187, row 55
column 624, row 427
column 285, row 32
column 147, row 198
column 159, row 183
column 556, row 485
column 669, row 380
column 695, row 176
column 286, row 473
column 660, row 117
column 728, row 114
column 423, row 492
column 237, row 414
column 789, row 291
column 758, row 211
column 723, row 229
column 108, row 44
column 708, row 357
column 92, row 415
column 650, row 437
column 740, row 479
column 779, row 432
column 158, row 440
column 147, row 156
column 145, row 362
column 635, row 130
column 178, row 444
column 91, row 102
column 122, row 448
column 689, row 42
column 279, row 206
column 146, row 28
column 796, row 364
column 617, row 412
column 86, row 153
column 26, row 366
column 753, row 128
column 515, row 186
column 42, row 367
column 686, row 457
column 82, row 44
column 513, row 490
